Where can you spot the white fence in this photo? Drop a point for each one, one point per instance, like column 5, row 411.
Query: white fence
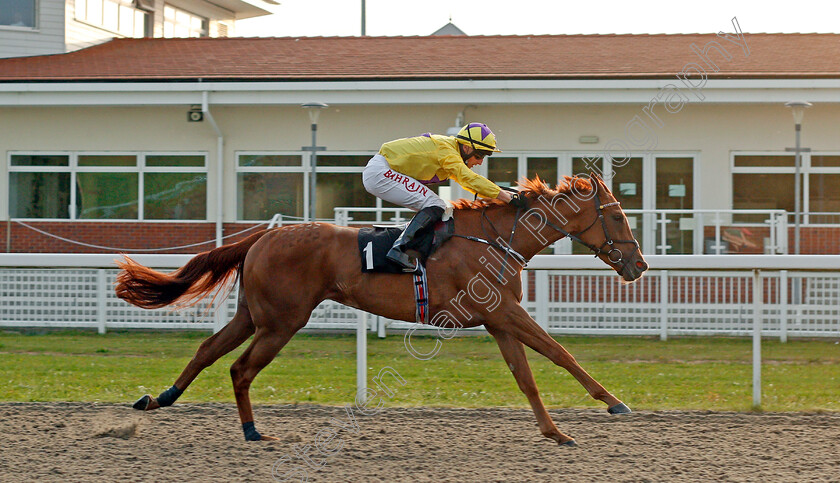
column 661, row 232
column 567, row 294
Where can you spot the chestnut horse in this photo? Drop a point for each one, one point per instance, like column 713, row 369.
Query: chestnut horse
column 284, row 273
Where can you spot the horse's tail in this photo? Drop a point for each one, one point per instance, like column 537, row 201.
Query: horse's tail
column 149, row 289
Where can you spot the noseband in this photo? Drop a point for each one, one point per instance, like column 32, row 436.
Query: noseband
column 608, row 248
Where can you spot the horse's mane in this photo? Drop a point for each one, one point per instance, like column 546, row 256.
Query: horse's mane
column 530, row 188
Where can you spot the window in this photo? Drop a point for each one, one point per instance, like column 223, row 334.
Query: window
column 766, row 181
column 41, row 189
column 119, row 16
column 182, row 24
column 545, row 168
column 340, row 184
column 17, row 13
column 503, row 170
column 175, row 187
column 267, row 184
column 272, row 183
column 105, row 188
column 108, row 186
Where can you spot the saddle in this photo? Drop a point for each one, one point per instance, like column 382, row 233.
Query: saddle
column 375, row 242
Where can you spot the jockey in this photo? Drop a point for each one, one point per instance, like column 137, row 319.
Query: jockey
column 402, row 169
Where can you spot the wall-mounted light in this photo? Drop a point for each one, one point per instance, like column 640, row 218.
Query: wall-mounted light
column 588, row 139
column 195, row 114
column 459, row 123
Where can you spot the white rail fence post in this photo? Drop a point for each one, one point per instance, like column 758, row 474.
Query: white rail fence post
column 758, row 297
column 361, row 356
column 783, row 305
column 101, row 301
column 541, row 297
column 663, row 305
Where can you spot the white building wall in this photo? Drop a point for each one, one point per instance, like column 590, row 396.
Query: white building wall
column 46, row 38
column 712, row 132
column 79, row 35
column 57, row 30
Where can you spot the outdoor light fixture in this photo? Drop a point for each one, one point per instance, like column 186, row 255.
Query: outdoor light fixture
column 314, row 110
column 798, row 110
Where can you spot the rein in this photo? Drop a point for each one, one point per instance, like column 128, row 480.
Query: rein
column 508, row 247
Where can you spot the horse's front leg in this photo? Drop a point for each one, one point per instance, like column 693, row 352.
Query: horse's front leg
column 520, row 324
column 514, row 353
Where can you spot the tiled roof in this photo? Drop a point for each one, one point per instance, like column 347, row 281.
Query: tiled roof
column 433, row 57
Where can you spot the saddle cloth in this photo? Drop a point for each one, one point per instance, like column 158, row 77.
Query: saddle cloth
column 375, row 242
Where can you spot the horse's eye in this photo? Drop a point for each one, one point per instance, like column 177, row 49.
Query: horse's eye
column 618, row 217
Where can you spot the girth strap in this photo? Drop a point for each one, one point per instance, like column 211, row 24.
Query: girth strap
column 421, row 295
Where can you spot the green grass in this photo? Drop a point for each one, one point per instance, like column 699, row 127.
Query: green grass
column 682, row 373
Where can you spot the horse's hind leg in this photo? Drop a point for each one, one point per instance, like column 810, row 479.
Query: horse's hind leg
column 514, row 353
column 230, row 337
column 266, row 344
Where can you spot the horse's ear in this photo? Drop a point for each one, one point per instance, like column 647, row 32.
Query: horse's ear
column 593, row 176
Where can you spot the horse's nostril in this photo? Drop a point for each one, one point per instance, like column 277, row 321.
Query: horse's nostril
column 641, row 265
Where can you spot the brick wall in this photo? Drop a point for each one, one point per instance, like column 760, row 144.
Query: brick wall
column 130, row 236
column 118, row 237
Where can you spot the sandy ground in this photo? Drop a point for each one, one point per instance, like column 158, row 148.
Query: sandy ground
column 202, row 442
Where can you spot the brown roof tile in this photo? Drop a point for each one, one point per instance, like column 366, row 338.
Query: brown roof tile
column 436, row 57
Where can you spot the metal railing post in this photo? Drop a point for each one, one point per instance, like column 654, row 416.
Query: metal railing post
column 101, row 300
column 541, row 297
column 361, row 356
column 663, row 305
column 380, row 327
column 758, row 296
column 783, row 305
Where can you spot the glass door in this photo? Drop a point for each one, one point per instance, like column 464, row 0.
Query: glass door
column 675, row 191
column 628, row 187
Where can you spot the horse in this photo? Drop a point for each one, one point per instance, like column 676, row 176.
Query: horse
column 284, row 273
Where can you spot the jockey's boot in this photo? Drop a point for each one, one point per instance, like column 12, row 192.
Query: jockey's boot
column 423, row 220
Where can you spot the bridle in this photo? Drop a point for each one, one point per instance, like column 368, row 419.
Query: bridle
column 608, row 248
column 609, row 243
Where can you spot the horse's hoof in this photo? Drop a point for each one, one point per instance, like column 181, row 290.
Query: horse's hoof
column 143, row 403
column 570, row 443
column 619, row 408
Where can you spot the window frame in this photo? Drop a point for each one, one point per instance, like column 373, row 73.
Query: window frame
column 805, row 171
column 122, row 6
column 304, row 168
column 204, row 32
column 141, row 169
column 35, row 21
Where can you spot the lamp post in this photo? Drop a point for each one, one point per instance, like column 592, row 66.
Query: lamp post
column 798, row 110
column 314, row 110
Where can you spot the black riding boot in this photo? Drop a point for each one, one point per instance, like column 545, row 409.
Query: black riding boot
column 424, row 219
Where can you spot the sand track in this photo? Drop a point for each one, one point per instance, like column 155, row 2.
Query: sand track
column 202, row 442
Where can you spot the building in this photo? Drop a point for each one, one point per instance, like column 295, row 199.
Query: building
column 41, row 27
column 102, row 145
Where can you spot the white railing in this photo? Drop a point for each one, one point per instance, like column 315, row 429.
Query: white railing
column 652, row 227
column 392, row 215
column 680, row 295
column 655, row 223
